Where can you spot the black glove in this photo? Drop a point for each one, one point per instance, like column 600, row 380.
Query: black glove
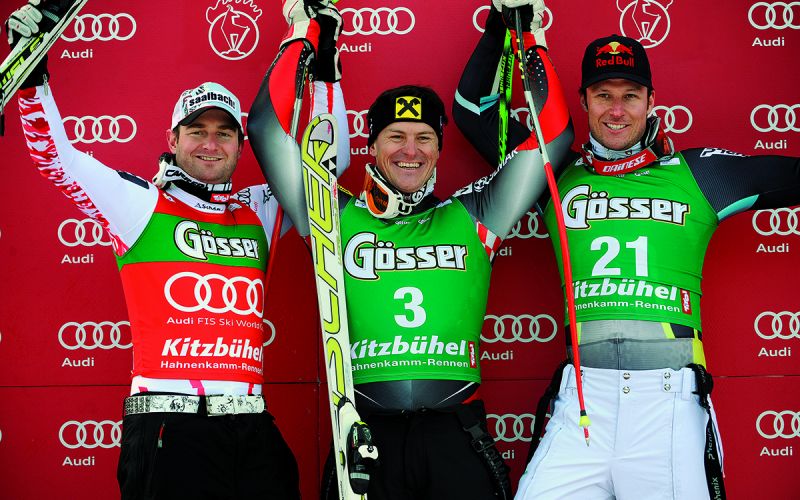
column 329, row 67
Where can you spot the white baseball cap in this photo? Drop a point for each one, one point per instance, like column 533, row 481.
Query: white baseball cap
column 193, row 102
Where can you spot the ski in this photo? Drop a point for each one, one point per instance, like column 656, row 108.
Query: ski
column 28, row 52
column 352, row 442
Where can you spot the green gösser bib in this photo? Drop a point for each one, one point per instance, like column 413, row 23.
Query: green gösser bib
column 637, row 242
column 416, row 293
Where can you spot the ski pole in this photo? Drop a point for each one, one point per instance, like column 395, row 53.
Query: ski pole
column 562, row 230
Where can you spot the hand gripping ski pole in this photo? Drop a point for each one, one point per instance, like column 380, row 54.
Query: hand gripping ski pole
column 562, row 230
column 354, row 453
column 27, row 53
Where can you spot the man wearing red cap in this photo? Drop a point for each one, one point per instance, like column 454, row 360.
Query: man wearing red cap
column 192, row 258
column 417, row 276
column 638, row 216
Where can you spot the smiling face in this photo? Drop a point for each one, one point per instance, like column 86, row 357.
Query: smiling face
column 618, row 111
column 208, row 148
column 406, row 154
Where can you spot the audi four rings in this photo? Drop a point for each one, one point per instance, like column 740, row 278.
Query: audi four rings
column 103, row 129
column 677, row 119
column 380, row 21
column 775, row 15
column 772, row 424
column 90, row 434
column 523, row 328
column 509, row 428
column 104, row 335
column 777, row 118
column 358, row 123
column 547, row 21
column 528, row 227
column 205, row 294
column 101, row 27
column 777, row 221
column 86, row 233
column 776, row 324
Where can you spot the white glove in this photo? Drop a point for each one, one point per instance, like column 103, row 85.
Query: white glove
column 24, row 22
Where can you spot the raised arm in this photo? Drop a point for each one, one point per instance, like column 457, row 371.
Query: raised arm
column 501, row 198
column 273, row 122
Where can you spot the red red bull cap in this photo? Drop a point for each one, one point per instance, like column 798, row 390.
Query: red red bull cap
column 615, row 56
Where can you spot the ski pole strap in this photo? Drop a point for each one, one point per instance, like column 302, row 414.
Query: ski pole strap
column 711, row 458
column 484, row 446
column 542, row 406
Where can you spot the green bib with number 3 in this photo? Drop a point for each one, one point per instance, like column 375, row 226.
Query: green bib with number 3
column 416, row 293
column 637, row 242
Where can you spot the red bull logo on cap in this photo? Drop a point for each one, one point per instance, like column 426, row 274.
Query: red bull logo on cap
column 614, row 54
column 614, row 48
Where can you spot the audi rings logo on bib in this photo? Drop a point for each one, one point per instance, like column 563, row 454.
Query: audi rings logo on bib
column 84, row 232
column 103, row 129
column 778, row 424
column 524, row 328
column 775, row 118
column 482, row 12
column 645, row 20
column 233, row 30
column 192, row 292
column 100, row 27
column 774, row 15
column 510, row 428
column 783, row 325
column 90, row 335
column 778, row 221
column 675, row 119
column 378, row 21
column 90, row 434
column 529, row 226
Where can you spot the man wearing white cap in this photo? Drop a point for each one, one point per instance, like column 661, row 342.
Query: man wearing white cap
column 192, row 259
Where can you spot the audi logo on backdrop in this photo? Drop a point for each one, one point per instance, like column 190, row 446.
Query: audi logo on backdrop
column 518, row 113
column 523, row 328
column 775, row 15
column 90, row 434
column 776, row 221
column 782, row 325
column 84, row 232
column 379, row 21
column 480, row 14
column 528, row 227
column 271, row 329
column 357, row 120
column 777, row 118
column 208, row 297
column 103, row 129
column 677, row 119
column 773, row 424
column 510, row 428
column 90, row 335
column 102, row 27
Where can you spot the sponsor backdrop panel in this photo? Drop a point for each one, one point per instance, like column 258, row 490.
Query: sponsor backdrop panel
column 759, row 418
column 72, row 438
column 116, row 73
